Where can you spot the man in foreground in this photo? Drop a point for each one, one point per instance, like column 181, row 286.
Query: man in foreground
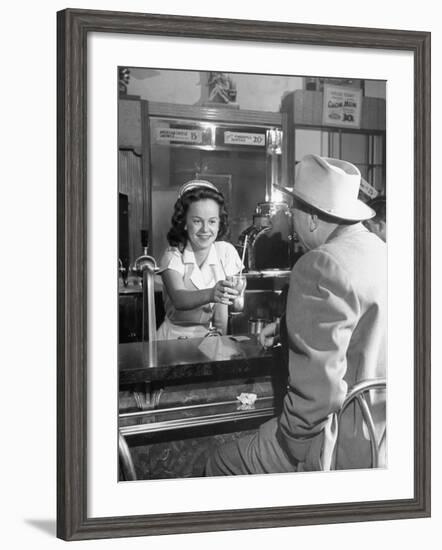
column 335, row 327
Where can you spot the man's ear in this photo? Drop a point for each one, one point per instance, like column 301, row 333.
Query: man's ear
column 314, row 222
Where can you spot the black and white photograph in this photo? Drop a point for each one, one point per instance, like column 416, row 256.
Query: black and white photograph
column 221, row 263
column 252, row 274
column 243, row 285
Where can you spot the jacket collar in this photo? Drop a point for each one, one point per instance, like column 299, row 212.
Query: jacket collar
column 346, row 230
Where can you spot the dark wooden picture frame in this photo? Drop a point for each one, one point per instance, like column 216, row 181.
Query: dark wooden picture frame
column 73, row 28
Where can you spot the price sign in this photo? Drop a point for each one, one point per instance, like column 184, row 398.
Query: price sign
column 166, row 135
column 368, row 189
column 244, row 138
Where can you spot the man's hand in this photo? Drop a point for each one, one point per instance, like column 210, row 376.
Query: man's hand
column 267, row 335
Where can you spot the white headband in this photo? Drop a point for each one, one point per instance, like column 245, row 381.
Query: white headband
column 193, row 184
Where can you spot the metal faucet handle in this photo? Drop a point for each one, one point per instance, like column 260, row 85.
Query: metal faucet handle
column 144, row 262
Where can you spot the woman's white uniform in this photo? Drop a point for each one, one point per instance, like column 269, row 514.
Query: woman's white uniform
column 223, row 260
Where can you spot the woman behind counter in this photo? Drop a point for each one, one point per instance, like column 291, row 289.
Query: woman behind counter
column 195, row 265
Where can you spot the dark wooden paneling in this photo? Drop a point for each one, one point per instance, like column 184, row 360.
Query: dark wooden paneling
column 130, row 183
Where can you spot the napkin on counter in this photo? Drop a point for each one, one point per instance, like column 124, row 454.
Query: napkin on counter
column 247, row 401
column 218, row 349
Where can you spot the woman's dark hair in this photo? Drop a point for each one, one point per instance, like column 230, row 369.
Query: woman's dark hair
column 177, row 235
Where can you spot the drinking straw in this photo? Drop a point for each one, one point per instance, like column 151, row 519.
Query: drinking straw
column 243, row 254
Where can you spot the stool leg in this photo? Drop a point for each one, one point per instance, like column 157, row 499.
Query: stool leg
column 126, row 462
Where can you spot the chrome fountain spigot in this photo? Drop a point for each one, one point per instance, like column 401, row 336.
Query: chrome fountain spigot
column 146, row 267
column 145, row 262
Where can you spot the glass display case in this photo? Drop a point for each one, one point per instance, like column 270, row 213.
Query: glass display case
column 232, row 148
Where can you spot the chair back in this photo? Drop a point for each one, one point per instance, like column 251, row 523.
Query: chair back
column 359, row 395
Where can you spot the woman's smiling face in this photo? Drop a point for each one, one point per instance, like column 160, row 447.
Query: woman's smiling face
column 202, row 223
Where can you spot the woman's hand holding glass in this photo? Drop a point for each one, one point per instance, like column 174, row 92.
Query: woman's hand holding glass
column 224, row 292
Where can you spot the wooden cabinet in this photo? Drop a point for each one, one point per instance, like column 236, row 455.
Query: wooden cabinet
column 130, row 315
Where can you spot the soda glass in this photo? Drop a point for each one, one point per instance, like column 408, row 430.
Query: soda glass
column 239, row 284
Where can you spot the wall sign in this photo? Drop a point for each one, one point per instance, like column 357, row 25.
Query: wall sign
column 166, row 135
column 244, row 138
column 342, row 107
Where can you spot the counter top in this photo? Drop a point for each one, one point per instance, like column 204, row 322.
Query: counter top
column 268, row 273
column 218, row 356
column 265, row 279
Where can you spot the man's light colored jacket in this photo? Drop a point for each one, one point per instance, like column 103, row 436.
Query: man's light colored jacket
column 337, row 329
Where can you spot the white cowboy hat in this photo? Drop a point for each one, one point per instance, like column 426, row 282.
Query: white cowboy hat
column 193, row 184
column 330, row 186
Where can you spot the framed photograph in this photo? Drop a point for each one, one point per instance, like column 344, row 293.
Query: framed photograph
column 180, row 140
